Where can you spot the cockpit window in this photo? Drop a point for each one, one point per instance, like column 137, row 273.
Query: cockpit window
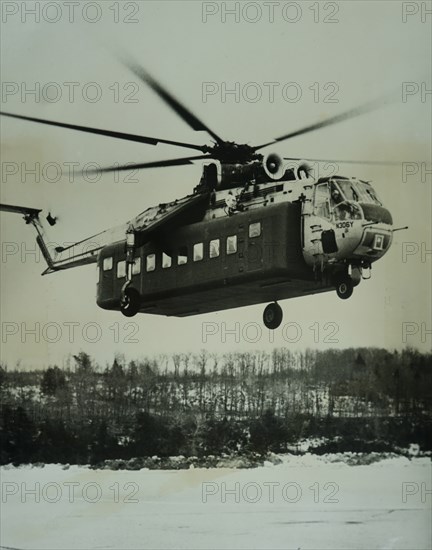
column 349, row 191
column 347, row 211
column 371, row 192
column 358, row 192
column 339, row 199
column 335, row 195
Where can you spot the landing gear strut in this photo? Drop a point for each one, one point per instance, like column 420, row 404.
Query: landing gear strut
column 129, row 297
column 272, row 316
column 344, row 287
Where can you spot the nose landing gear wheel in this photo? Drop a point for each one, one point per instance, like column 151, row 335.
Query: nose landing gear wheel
column 130, row 302
column 272, row 316
column 344, row 287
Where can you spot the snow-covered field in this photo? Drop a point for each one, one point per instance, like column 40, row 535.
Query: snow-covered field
column 307, row 502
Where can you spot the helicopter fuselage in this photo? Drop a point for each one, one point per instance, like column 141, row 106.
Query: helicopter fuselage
column 254, row 243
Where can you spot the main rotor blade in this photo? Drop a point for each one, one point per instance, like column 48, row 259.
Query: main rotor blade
column 357, row 111
column 156, row 164
column 193, row 121
column 108, row 133
column 370, row 162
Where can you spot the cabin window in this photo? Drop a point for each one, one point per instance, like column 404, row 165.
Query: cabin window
column 107, row 263
column 198, row 252
column 151, row 262
column 121, row 269
column 214, row 249
column 231, row 244
column 182, row 257
column 166, row 261
column 254, row 230
column 136, row 267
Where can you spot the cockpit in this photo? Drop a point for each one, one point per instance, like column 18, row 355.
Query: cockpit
column 339, row 199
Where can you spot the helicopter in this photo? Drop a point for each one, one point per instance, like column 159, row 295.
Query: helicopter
column 257, row 228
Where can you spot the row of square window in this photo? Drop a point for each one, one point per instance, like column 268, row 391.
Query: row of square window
column 182, row 257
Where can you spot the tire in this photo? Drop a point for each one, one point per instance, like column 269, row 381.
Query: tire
column 130, row 305
column 272, row 316
column 344, row 287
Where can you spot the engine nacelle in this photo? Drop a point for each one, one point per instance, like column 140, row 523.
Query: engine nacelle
column 303, row 170
column 273, row 166
column 299, row 168
column 218, row 175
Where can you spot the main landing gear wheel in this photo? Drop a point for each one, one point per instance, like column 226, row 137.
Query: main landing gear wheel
column 130, row 302
column 272, row 316
column 344, row 287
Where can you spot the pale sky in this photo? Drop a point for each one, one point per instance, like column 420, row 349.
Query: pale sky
column 366, row 52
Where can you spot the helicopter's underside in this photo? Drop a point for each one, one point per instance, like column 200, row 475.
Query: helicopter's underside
column 214, row 299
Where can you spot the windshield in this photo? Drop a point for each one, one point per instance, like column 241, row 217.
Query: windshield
column 347, row 211
column 358, row 191
column 342, row 200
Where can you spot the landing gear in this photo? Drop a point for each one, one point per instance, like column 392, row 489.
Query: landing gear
column 272, row 316
column 344, row 287
column 130, row 302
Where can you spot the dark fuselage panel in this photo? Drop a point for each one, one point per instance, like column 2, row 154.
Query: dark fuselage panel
column 248, row 258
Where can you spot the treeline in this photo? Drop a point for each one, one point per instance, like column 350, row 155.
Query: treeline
column 204, row 404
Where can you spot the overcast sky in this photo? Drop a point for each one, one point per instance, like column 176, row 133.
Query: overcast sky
column 348, row 52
